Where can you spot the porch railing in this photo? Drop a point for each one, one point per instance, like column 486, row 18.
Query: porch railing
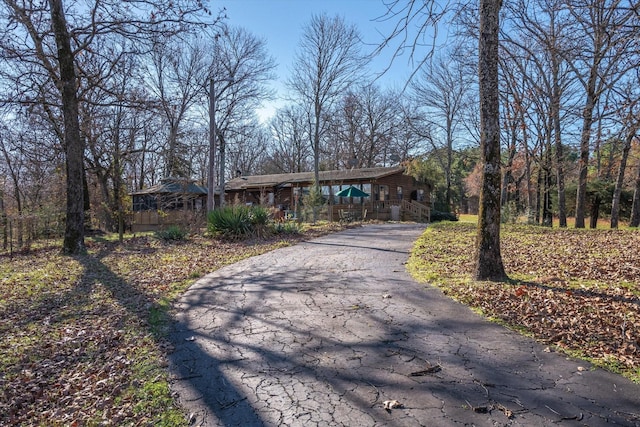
column 418, row 211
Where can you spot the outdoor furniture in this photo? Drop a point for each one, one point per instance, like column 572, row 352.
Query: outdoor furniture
column 346, row 215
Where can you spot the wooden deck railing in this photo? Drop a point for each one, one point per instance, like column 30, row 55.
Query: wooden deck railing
column 156, row 220
column 382, row 210
column 418, row 211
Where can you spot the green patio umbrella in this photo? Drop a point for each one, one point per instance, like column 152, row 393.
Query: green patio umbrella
column 351, row 192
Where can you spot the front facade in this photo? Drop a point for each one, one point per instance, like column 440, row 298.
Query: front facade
column 393, row 195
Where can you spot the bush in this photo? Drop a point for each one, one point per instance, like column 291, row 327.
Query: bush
column 260, row 218
column 288, row 227
column 443, row 216
column 232, row 222
column 173, row 232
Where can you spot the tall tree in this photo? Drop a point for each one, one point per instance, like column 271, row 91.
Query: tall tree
column 631, row 122
column 441, row 91
column 241, row 68
column 488, row 259
column 604, row 37
column 289, row 151
column 540, row 32
column 177, row 72
column 363, row 128
column 73, row 144
column 39, row 34
column 328, row 61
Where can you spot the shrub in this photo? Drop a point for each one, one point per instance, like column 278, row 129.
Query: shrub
column 173, row 232
column 443, row 216
column 232, row 222
column 287, row 227
column 260, row 218
column 312, row 202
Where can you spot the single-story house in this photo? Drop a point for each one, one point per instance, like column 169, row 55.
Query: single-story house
column 393, row 195
column 173, row 201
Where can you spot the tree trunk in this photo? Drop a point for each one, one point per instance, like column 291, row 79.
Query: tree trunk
column 615, row 204
column 3, row 221
column 635, row 207
column 557, row 132
column 488, row 258
column 73, row 147
column 223, row 161
column 539, row 189
column 508, row 174
column 316, row 143
column 595, row 211
column 527, row 177
column 585, row 137
column 211, row 173
column 547, row 212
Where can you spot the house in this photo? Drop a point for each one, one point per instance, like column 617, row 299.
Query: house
column 393, row 195
column 173, row 201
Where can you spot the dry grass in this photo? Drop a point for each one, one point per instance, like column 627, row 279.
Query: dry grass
column 578, row 290
column 82, row 338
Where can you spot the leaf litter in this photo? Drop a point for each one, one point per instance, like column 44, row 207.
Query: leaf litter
column 78, row 343
column 574, row 290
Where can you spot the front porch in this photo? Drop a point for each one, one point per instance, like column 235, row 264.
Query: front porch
column 387, row 210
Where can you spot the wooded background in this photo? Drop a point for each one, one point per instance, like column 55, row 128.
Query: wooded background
column 569, row 88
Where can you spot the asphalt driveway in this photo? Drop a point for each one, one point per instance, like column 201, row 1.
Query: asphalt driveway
column 325, row 332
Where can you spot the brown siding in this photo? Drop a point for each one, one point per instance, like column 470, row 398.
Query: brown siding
column 375, row 208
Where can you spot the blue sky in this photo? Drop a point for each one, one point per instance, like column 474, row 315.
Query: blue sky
column 281, row 22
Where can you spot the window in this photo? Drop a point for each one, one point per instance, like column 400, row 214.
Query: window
column 334, row 190
column 399, row 192
column 384, row 193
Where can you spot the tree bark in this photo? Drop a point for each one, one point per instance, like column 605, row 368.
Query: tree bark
column 635, row 207
column 223, row 160
column 557, row 131
column 3, row 221
column 73, row 145
column 595, row 211
column 488, row 258
column 211, row 173
column 615, row 204
column 581, row 195
column 547, row 213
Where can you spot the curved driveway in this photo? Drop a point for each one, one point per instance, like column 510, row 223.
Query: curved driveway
column 324, row 332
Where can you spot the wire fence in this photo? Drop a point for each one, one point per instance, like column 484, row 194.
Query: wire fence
column 19, row 233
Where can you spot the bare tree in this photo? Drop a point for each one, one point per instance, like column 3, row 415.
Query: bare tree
column 363, row 127
column 40, row 35
column 541, row 28
column 631, row 125
column 289, row 151
column 176, row 74
column 248, row 154
column 604, row 37
column 327, row 63
column 241, row 68
column 441, row 90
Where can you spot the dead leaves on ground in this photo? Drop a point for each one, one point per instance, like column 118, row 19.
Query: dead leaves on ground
column 76, row 343
column 577, row 289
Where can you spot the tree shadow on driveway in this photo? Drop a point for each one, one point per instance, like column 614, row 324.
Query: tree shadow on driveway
column 311, row 335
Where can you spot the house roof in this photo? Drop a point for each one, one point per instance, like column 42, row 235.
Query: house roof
column 173, row 185
column 348, row 175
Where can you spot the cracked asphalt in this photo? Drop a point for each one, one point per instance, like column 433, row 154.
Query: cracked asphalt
column 324, row 332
